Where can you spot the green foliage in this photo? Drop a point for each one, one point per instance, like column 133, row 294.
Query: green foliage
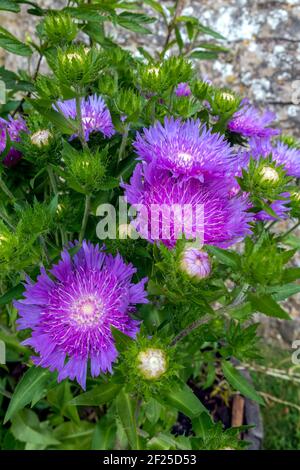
column 194, row 331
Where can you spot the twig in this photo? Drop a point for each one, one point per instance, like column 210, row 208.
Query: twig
column 278, row 400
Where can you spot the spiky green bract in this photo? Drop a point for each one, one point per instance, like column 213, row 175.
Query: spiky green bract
column 263, row 261
column 86, row 170
column 128, row 105
column 159, row 77
column 137, row 377
column 295, row 202
column 224, row 102
column 76, row 65
column 21, row 247
column 201, row 89
column 290, row 141
column 59, row 28
column 42, row 145
column 212, row 436
column 263, row 178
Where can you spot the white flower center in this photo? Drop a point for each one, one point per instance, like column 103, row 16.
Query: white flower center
column 185, row 157
column 152, row 363
column 154, row 70
column 269, row 174
column 227, row 96
column 87, row 311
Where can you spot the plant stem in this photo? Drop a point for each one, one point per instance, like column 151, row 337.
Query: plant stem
column 179, row 5
column 85, row 217
column 6, row 190
column 201, row 321
column 79, row 120
column 123, row 143
column 52, row 180
column 290, row 231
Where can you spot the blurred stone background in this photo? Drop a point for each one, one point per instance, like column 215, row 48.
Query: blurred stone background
column 264, row 64
column 263, row 36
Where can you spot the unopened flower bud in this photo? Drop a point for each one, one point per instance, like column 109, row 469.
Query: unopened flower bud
column 195, row 263
column 269, row 175
column 152, row 363
column 41, row 137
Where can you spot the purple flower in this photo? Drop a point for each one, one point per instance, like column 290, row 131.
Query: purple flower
column 70, row 313
column 183, row 89
column 250, row 122
column 184, row 148
column 167, row 207
column 12, row 127
column 95, row 115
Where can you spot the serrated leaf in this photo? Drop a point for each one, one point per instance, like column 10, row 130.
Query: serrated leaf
column 11, row 44
column 26, row 428
column 125, row 406
column 240, row 383
column 33, row 382
column 267, row 305
column 229, row 258
column 99, row 395
column 282, row 292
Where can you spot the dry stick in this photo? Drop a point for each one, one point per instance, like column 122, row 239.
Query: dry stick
column 238, row 405
column 278, row 400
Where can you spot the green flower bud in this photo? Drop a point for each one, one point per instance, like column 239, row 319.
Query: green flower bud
column 77, row 65
column 149, row 365
column 59, row 28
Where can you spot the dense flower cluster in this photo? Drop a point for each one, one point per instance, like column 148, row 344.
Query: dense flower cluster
column 70, row 313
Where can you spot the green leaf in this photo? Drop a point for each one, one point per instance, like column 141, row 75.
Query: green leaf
column 240, row 383
column 104, row 435
column 267, row 305
column 13, row 294
column 183, row 400
column 132, row 21
column 204, row 55
column 59, row 397
column 9, row 5
column 210, row 32
column 153, row 410
column 164, row 441
column 291, row 274
column 32, row 384
column 122, row 341
column 229, row 258
column 212, row 47
column 282, row 292
column 12, row 44
column 27, row 428
column 126, row 407
column 65, row 125
column 99, row 395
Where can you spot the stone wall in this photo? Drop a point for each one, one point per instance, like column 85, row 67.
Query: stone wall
column 264, row 38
